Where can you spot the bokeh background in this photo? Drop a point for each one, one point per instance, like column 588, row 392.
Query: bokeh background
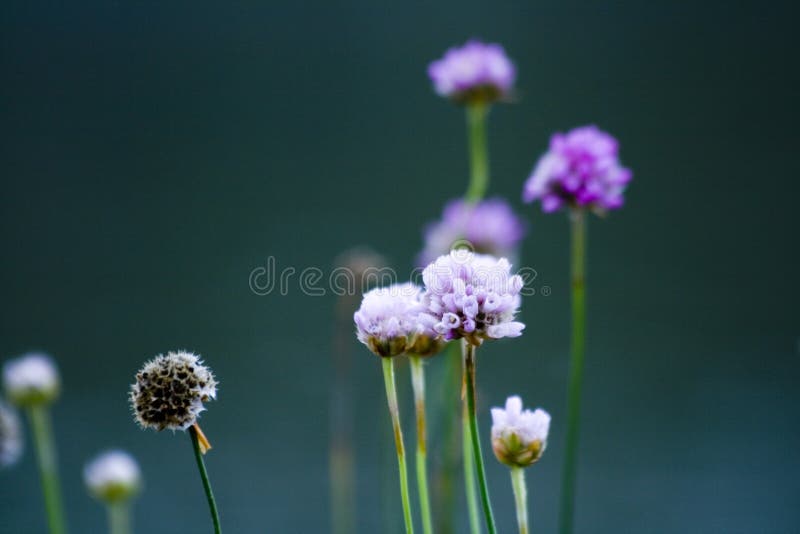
column 154, row 153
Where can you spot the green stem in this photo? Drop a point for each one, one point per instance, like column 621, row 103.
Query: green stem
column 450, row 423
column 201, row 466
column 119, row 521
column 469, row 369
column 478, row 150
column 418, row 384
column 48, row 467
column 578, row 348
column 520, row 498
column 469, row 474
column 394, row 412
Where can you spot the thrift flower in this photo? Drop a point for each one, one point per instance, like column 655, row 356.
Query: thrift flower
column 519, row 437
column 170, row 390
column 31, row 379
column 10, row 436
column 581, row 168
column 113, row 476
column 392, row 320
column 473, row 72
column 473, row 296
column 486, row 227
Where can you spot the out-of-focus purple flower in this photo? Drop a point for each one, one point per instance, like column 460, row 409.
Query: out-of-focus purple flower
column 473, row 296
column 581, row 168
column 475, row 71
column 393, row 320
column 486, row 227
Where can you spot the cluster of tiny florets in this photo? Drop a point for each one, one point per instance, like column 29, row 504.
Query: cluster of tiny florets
column 474, row 72
column 393, row 320
column 31, row 379
column 10, row 436
column 581, row 169
column 113, row 476
column 486, row 227
column 473, row 296
column 519, row 437
column 170, row 390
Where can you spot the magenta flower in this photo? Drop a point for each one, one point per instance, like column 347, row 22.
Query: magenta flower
column 581, row 168
column 486, row 227
column 473, row 296
column 475, row 71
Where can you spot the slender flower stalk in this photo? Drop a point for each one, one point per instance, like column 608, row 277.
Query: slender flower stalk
column 48, row 467
column 119, row 518
column 470, row 485
column 477, row 112
column 469, row 371
column 418, row 385
column 577, row 351
column 394, row 412
column 520, row 498
column 449, row 402
column 32, row 383
column 200, row 446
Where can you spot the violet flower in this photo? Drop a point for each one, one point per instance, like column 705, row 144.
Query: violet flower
column 581, row 169
column 486, row 227
column 473, row 296
column 475, row 71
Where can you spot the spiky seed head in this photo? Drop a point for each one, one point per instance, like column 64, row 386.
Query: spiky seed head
column 170, row 391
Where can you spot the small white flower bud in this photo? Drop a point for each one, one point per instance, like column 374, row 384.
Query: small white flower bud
column 10, row 436
column 113, row 476
column 31, row 379
column 519, row 437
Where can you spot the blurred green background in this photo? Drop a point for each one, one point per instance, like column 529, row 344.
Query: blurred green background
column 154, row 153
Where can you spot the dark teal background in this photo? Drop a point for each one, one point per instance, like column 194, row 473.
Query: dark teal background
column 154, row 153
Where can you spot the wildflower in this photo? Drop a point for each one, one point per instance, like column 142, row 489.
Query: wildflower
column 392, row 320
column 581, row 169
column 10, row 436
column 519, row 437
column 31, row 379
column 170, row 390
column 473, row 296
column 473, row 72
column 113, row 476
column 486, row 227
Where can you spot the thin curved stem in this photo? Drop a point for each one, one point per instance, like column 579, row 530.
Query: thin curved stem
column 119, row 520
column 469, row 474
column 578, row 348
column 201, row 466
column 418, row 384
column 478, row 150
column 520, row 498
column 394, row 412
column 48, row 467
column 469, row 369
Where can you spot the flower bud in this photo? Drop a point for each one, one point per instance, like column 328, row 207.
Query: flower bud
column 31, row 379
column 519, row 437
column 113, row 476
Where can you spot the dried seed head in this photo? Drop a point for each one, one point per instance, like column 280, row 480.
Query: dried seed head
column 170, row 390
column 113, row 476
column 10, row 436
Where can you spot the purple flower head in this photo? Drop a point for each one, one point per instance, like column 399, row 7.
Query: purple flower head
column 487, row 227
column 475, row 71
column 473, row 296
column 581, row 168
column 393, row 320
